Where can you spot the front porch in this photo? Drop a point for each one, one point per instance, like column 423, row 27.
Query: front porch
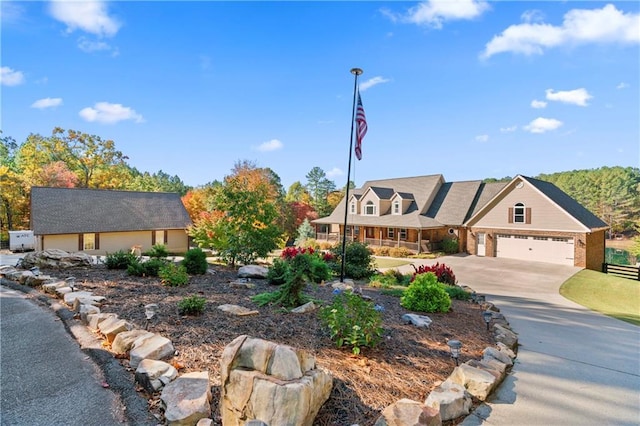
column 415, row 240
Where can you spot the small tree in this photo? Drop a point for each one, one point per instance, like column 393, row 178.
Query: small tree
column 305, row 232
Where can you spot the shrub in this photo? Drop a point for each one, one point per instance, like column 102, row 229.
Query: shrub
column 352, row 321
column 325, row 245
column 426, row 295
column 450, row 245
column 456, row 292
column 192, row 305
column 158, row 251
column 195, row 261
column 119, row 260
column 399, row 252
column 381, row 251
column 173, row 275
column 443, row 273
column 150, row 268
column 319, row 271
column 358, row 260
column 277, row 273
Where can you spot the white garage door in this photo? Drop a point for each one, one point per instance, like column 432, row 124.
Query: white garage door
column 539, row 249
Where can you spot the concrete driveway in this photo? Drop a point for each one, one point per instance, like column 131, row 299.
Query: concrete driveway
column 574, row 366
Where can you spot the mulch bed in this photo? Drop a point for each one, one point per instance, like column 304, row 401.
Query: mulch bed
column 408, row 363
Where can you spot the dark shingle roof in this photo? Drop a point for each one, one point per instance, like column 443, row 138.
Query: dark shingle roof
column 567, row 203
column 453, row 201
column 383, row 193
column 79, row 210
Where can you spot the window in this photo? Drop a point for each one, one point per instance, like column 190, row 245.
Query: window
column 353, row 208
column 88, row 241
column 370, row 209
column 391, row 233
column 357, row 230
column 159, row 237
column 396, row 207
column 403, row 234
column 518, row 213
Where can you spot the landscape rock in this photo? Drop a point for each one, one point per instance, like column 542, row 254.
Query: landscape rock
column 187, row 399
column 96, row 320
column 85, row 311
column 421, row 321
column 450, row 399
column 207, row 422
column 237, row 310
column 80, row 301
column 495, row 368
column 276, row 384
column 69, row 298
column 242, row 283
column 61, row 291
column 505, row 349
column 479, row 383
column 493, row 353
column 110, row 332
column 53, row 286
column 124, row 341
column 407, row 412
column 6, row 270
column 154, row 347
column 153, row 375
column 347, row 285
column 55, row 258
column 505, row 335
column 253, row 271
column 37, row 280
column 23, row 276
column 303, row 309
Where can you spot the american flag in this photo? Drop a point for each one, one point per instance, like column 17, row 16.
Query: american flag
column 361, row 127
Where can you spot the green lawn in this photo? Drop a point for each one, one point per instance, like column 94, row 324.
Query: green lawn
column 390, row 263
column 613, row 296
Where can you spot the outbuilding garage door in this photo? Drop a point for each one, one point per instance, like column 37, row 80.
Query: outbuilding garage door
column 539, row 249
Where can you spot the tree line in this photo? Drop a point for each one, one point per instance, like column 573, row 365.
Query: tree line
column 249, row 197
column 248, row 213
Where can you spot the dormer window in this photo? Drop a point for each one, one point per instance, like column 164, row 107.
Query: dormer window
column 370, row 209
column 396, row 207
column 353, row 207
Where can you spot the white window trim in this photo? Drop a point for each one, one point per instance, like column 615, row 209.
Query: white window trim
column 403, row 233
column 517, row 215
column 370, row 205
column 391, row 233
column 396, row 207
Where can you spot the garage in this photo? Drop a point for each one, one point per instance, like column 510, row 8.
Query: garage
column 534, row 248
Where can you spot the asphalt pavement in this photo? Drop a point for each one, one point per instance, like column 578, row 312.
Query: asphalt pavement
column 574, row 366
column 45, row 377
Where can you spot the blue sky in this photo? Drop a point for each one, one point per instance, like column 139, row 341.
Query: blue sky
column 469, row 89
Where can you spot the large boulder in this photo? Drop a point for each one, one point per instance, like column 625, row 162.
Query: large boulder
column 276, row 384
column 450, row 399
column 55, row 258
column 478, row 382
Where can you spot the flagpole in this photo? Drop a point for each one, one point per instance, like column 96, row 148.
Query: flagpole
column 356, row 72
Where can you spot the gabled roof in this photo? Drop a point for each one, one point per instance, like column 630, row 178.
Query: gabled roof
column 567, row 203
column 382, row 193
column 570, row 206
column 80, row 210
column 453, row 202
column 405, row 195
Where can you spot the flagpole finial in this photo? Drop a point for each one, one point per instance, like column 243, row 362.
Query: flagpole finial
column 356, row 71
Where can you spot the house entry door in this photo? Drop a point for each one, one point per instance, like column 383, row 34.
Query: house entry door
column 481, row 249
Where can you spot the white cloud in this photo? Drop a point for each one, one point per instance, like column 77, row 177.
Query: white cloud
column 89, row 46
column 11, row 12
column 622, row 85
column 372, row 82
column 90, row 16
column 10, row 77
column 538, row 104
column 509, row 129
column 47, row 103
column 482, row 138
column 272, row 145
column 335, row 172
column 542, row 125
column 533, row 15
column 433, row 13
column 108, row 113
column 576, row 97
column 580, row 26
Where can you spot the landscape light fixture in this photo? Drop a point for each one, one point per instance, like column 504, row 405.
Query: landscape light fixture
column 71, row 282
column 150, row 311
column 480, row 298
column 487, row 316
column 454, row 347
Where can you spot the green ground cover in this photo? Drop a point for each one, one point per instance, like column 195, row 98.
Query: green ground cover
column 613, row 296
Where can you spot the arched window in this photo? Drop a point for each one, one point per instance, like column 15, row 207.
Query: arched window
column 370, row 208
column 518, row 213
